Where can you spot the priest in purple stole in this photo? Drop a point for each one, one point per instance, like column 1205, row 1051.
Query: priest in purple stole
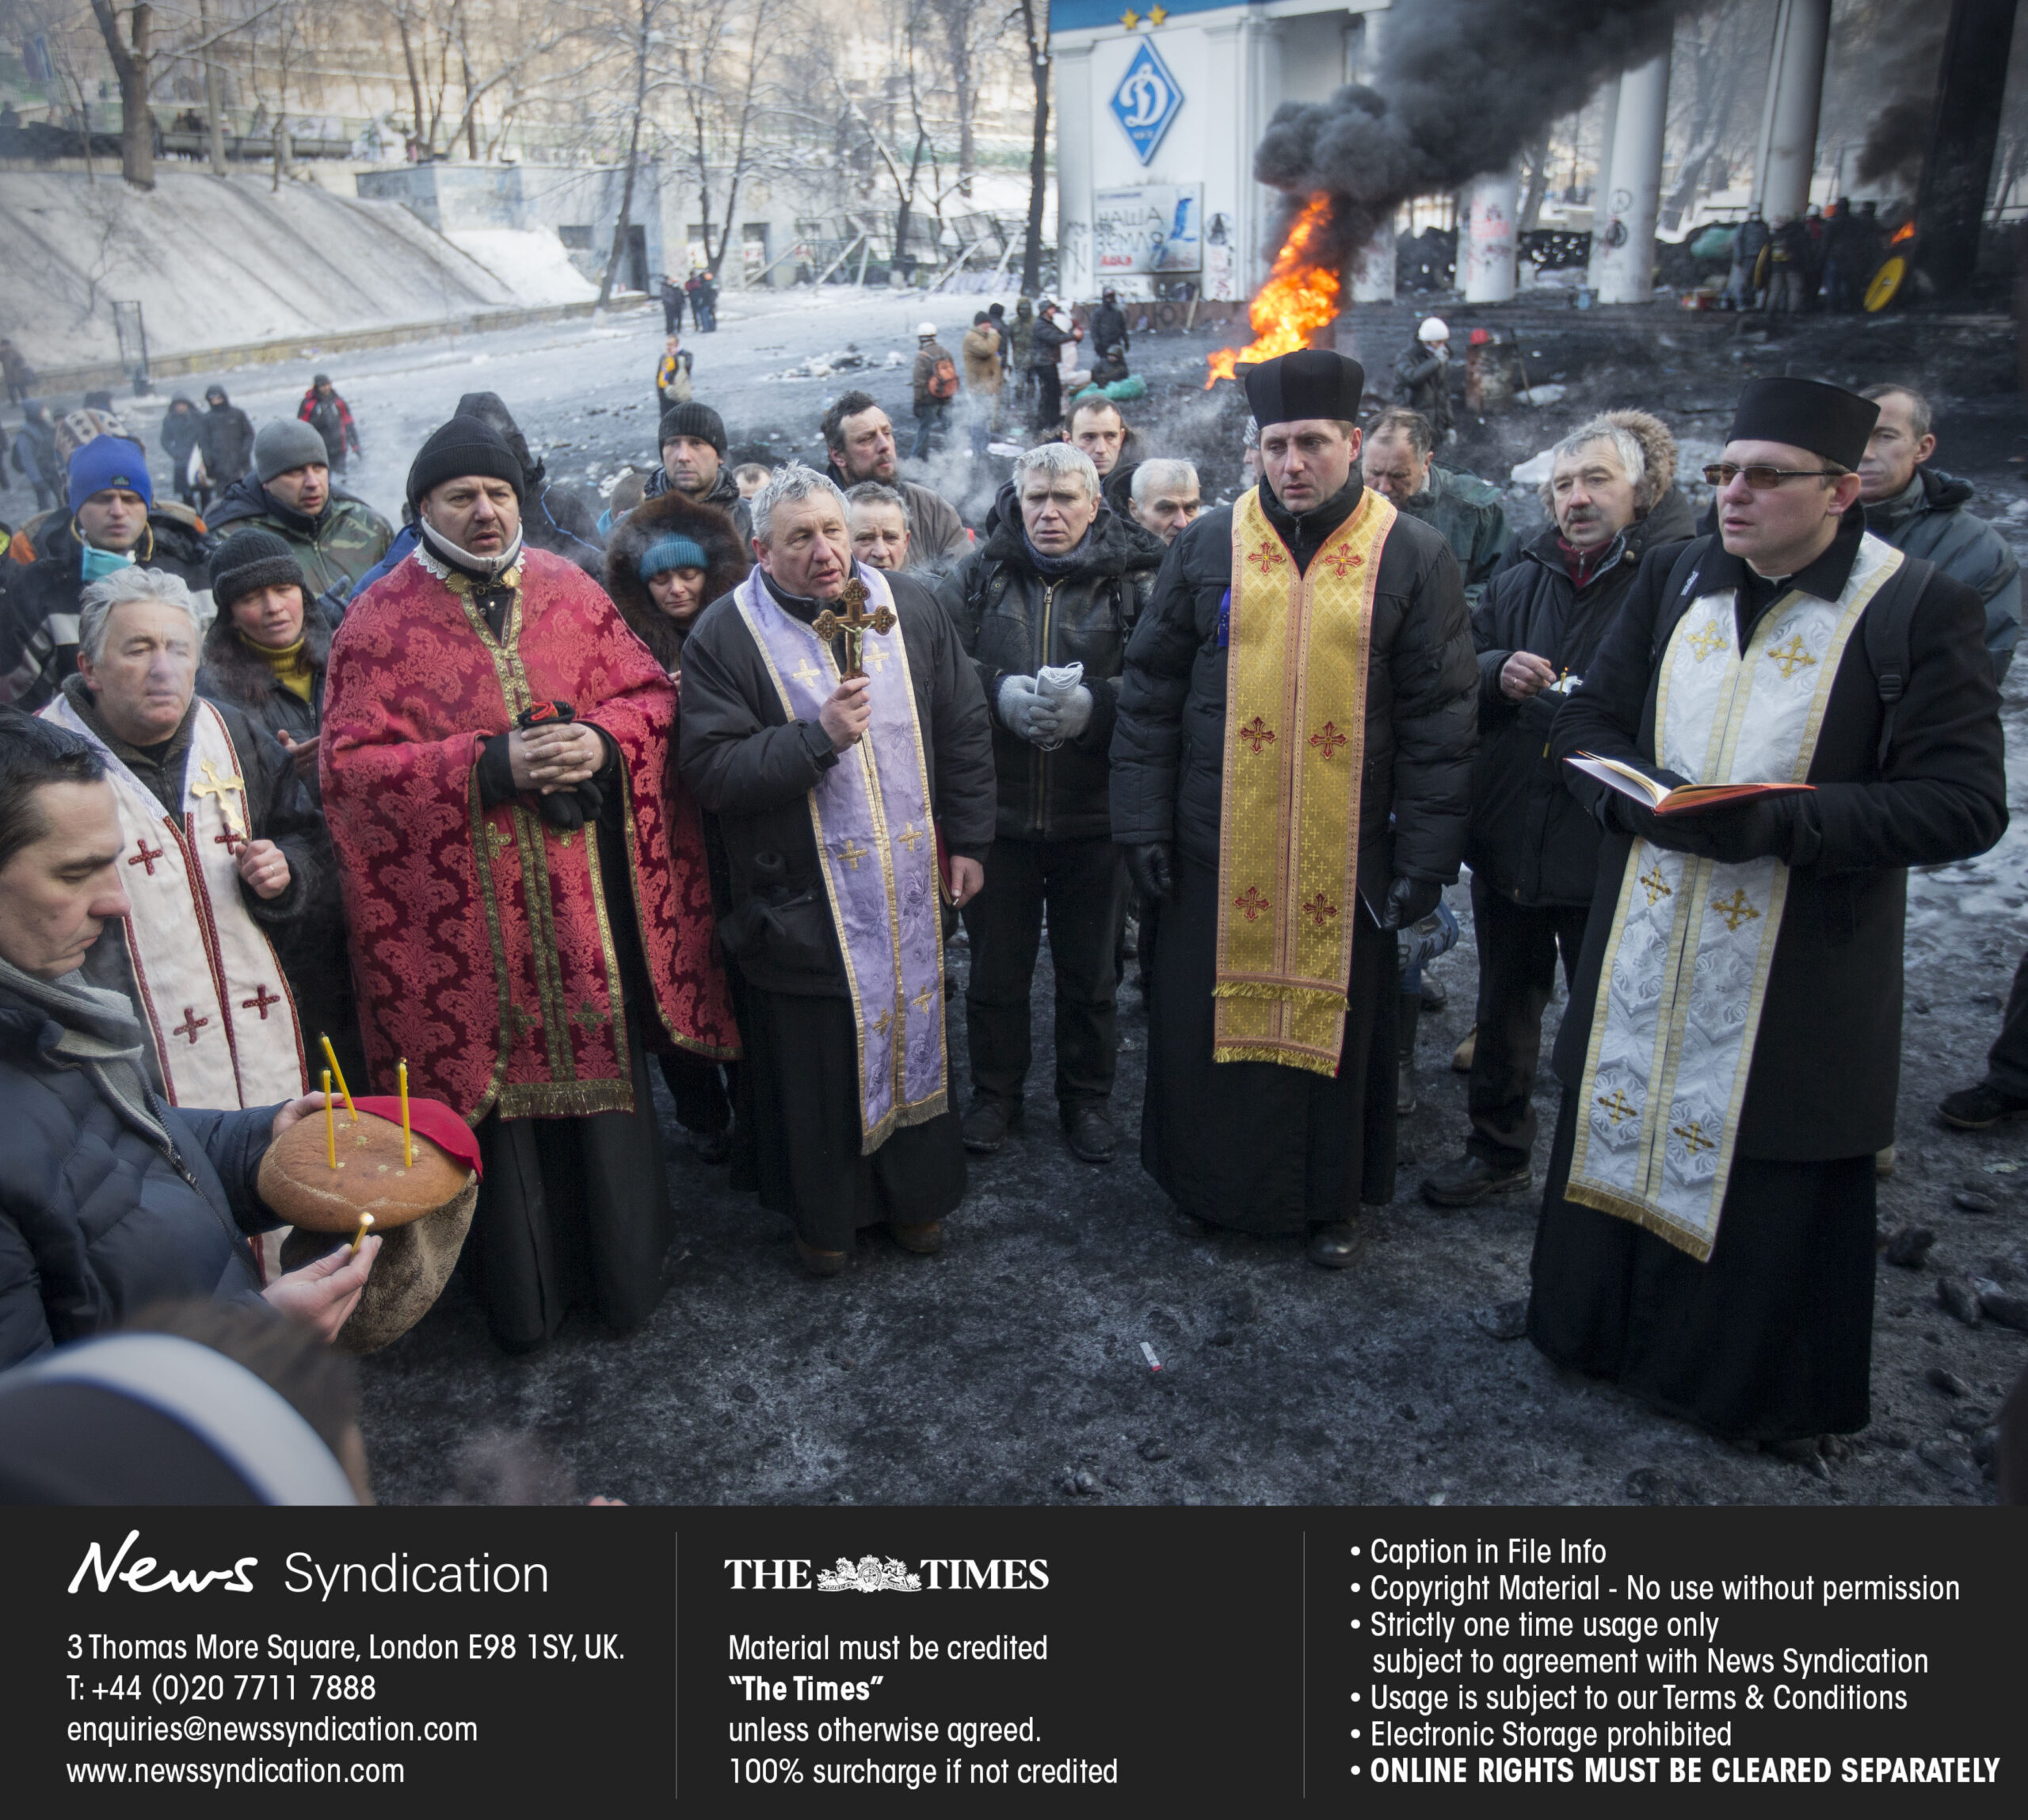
column 834, row 732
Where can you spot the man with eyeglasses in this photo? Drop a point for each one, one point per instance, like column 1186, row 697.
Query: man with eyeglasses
column 1731, row 1052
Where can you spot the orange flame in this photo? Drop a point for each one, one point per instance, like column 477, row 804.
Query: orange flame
column 1299, row 298
column 1905, row 231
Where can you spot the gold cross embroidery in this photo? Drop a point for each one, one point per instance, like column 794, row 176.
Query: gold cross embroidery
column 1736, row 909
column 223, row 788
column 1706, row 641
column 1268, row 556
column 1329, row 739
column 880, row 1024
column 1617, row 1107
column 1343, row 561
column 1655, row 884
column 1257, row 733
column 590, row 1015
column 805, row 674
column 924, row 999
column 502, row 840
column 877, row 656
column 1693, row 1137
column 520, row 1023
column 1320, row 909
column 852, row 853
column 1792, row 657
column 565, row 836
column 910, row 837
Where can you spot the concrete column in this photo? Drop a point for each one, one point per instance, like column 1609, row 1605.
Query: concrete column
column 1788, row 118
column 1626, row 244
column 1608, row 125
column 1261, row 85
column 1958, row 168
column 1486, row 246
column 1373, row 270
column 1072, row 125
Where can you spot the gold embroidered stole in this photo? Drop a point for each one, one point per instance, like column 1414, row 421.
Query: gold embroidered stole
column 1684, row 976
column 1295, row 749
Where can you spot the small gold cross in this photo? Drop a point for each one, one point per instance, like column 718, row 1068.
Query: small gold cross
column 924, row 999
column 910, row 838
column 1736, row 909
column 1655, row 884
column 589, row 1016
column 224, row 788
column 852, row 853
column 1706, row 641
column 805, row 674
column 1792, row 657
column 502, row 840
column 1693, row 1137
column 880, row 1024
column 1617, row 1106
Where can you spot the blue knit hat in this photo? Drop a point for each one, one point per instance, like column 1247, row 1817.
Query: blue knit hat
column 109, row 461
column 672, row 552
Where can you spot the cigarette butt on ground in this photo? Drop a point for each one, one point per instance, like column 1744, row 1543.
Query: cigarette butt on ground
column 1148, row 1353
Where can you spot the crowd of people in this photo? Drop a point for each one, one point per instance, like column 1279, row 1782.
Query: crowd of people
column 519, row 796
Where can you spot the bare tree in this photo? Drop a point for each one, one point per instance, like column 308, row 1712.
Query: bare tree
column 970, row 28
column 646, row 13
column 131, row 67
column 1035, row 26
column 724, row 96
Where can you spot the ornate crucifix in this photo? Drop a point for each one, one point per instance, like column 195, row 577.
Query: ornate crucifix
column 225, row 789
column 855, row 623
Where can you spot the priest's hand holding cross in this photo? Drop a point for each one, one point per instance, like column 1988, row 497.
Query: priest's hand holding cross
column 848, row 712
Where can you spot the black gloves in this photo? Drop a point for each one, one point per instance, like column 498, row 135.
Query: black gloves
column 1150, row 868
column 1781, row 828
column 1409, row 901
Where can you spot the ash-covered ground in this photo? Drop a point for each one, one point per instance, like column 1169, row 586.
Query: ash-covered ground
column 1011, row 1369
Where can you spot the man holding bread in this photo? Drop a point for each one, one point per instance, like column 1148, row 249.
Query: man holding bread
column 89, row 1133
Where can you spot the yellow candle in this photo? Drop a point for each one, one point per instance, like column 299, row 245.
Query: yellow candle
column 330, row 1056
column 365, row 1226
column 330, row 1127
column 408, row 1146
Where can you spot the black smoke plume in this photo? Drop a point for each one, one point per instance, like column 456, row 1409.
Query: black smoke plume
column 1463, row 84
column 1896, row 141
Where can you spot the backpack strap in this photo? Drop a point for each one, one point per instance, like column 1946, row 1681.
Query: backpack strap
column 1886, row 627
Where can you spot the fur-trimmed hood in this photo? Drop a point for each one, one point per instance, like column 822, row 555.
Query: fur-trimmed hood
column 668, row 514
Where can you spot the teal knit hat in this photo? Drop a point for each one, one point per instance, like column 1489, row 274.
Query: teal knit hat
column 672, row 552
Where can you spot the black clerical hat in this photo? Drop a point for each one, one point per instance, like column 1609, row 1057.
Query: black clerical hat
column 1806, row 413
column 1312, row 382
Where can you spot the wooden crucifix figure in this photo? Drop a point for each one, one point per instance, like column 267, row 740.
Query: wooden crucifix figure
column 855, row 623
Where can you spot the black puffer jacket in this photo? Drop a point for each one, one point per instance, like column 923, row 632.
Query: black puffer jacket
column 1012, row 620
column 1421, row 703
column 225, row 433
column 725, row 494
column 1530, row 839
column 99, row 1214
column 752, row 768
column 670, row 514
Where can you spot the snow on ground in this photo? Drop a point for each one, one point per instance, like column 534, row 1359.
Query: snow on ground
column 531, row 262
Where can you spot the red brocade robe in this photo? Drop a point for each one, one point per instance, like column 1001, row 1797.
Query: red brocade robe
column 481, row 942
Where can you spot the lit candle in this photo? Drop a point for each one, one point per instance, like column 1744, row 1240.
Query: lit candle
column 365, row 1226
column 408, row 1146
column 330, row 1056
column 330, row 1128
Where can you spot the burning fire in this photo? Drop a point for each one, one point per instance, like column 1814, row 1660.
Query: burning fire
column 1905, row 231
column 1299, row 298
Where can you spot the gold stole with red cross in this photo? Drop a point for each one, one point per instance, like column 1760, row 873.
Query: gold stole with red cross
column 1295, row 747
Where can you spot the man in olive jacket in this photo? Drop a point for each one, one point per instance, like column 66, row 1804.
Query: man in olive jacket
column 1364, row 709
column 1060, row 582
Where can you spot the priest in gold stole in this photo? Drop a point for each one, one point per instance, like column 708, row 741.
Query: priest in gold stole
column 1731, row 1051
column 1291, row 774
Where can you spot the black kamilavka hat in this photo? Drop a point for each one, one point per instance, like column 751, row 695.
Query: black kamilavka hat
column 1826, row 420
column 1312, row 382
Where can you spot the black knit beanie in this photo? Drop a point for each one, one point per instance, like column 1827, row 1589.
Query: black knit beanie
column 252, row 559
column 462, row 446
column 697, row 420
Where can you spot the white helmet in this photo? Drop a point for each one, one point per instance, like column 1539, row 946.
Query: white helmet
column 925, row 331
column 1433, row 328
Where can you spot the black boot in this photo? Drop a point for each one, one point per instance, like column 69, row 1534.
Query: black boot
column 1404, row 1088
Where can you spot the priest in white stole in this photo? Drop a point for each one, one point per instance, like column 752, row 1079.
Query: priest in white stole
column 1291, row 772
column 1733, row 1049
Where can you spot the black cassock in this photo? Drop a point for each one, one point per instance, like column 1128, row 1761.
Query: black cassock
column 1770, row 1339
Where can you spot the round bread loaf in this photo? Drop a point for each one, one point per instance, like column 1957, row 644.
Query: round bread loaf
column 297, row 1182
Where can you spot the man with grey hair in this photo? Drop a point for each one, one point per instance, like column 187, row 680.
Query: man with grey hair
column 1399, row 460
column 1044, row 607
column 832, row 727
column 880, row 527
column 223, row 858
column 1532, row 849
column 1921, row 510
column 1163, row 497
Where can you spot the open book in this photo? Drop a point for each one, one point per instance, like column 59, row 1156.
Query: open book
column 1685, row 798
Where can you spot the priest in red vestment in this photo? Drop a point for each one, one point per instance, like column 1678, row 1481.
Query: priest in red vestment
column 525, row 884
